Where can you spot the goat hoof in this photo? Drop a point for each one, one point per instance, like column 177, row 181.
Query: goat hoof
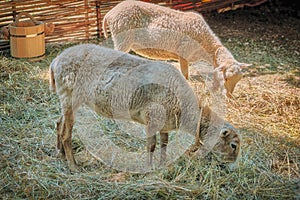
column 61, row 154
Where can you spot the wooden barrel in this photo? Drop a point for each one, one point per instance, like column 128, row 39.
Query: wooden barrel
column 27, row 38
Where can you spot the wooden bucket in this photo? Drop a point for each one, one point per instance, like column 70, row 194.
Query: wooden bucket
column 27, row 38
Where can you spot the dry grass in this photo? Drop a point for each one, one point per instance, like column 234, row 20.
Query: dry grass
column 265, row 108
column 269, row 106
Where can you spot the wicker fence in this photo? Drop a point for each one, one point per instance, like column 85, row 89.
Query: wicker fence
column 81, row 19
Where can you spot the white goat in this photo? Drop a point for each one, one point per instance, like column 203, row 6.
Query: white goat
column 122, row 86
column 159, row 32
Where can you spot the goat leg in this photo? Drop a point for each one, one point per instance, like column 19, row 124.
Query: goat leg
column 151, row 143
column 184, row 67
column 163, row 147
column 66, row 136
column 59, row 145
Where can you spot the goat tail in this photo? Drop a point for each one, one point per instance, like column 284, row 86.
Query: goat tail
column 51, row 75
column 104, row 27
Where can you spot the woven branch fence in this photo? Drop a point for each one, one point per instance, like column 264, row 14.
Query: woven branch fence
column 77, row 20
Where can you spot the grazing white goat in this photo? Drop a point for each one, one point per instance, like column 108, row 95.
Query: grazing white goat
column 122, row 86
column 159, row 32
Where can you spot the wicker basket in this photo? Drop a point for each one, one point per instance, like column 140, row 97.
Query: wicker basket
column 27, row 38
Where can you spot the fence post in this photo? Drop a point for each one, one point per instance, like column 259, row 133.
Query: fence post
column 14, row 9
column 98, row 14
column 87, row 24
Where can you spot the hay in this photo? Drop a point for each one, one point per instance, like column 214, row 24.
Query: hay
column 266, row 108
column 270, row 103
column 269, row 106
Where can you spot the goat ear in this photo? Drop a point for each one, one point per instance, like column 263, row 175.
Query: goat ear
column 244, row 65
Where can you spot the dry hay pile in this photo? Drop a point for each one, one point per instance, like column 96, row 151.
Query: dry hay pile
column 268, row 103
column 269, row 106
column 265, row 111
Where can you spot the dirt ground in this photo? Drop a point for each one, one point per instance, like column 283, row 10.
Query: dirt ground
column 269, row 33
